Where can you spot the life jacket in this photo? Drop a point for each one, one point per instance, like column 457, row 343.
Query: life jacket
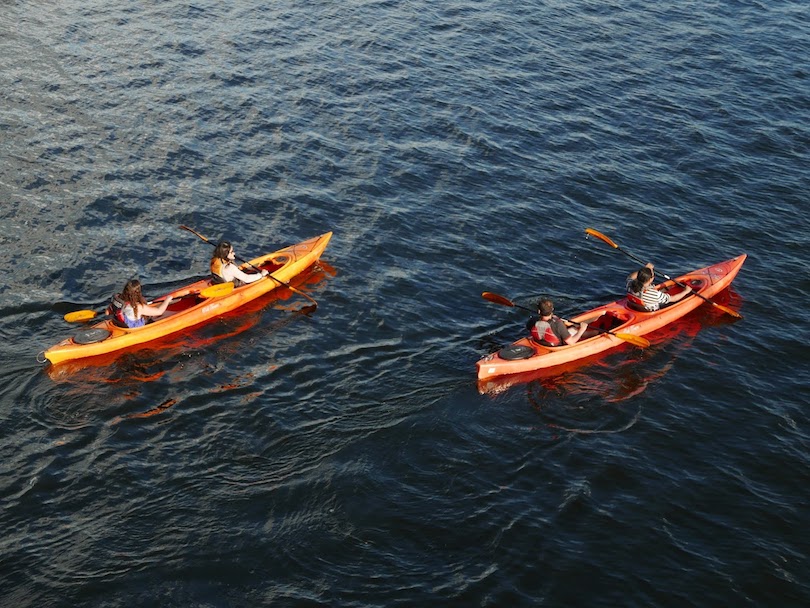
column 549, row 337
column 116, row 310
column 216, row 270
column 636, row 301
column 634, row 298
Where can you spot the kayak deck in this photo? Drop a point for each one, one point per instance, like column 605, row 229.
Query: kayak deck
column 526, row 354
column 189, row 307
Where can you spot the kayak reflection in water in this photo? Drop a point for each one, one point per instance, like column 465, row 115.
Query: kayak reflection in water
column 134, row 308
column 551, row 330
column 223, row 269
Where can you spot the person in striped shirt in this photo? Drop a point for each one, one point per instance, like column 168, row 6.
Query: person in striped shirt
column 640, row 290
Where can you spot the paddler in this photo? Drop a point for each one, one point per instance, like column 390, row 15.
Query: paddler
column 223, row 268
column 551, row 330
column 135, row 309
column 643, row 295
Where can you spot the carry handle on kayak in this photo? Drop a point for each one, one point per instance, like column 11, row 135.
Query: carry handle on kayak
column 631, row 338
column 270, row 275
column 602, row 237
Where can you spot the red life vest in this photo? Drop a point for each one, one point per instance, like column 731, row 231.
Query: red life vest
column 549, row 337
column 635, row 300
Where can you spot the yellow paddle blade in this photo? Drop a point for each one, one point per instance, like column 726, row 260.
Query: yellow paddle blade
column 601, row 237
column 725, row 309
column 80, row 315
column 218, row 290
column 633, row 339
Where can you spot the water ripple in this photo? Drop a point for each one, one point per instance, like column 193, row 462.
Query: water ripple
column 344, row 456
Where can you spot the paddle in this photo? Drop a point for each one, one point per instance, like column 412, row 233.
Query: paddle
column 631, row 338
column 607, row 240
column 287, row 285
column 215, row 291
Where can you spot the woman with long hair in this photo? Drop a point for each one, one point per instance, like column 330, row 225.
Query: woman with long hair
column 223, row 268
column 135, row 309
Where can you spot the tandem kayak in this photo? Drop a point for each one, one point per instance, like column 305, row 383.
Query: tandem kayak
column 190, row 307
column 527, row 355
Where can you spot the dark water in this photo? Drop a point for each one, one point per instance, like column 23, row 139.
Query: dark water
column 346, row 458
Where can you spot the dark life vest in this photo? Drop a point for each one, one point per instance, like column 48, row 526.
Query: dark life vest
column 116, row 309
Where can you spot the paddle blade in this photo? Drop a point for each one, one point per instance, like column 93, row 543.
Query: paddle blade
column 80, row 315
column 497, row 299
column 308, row 310
column 601, row 237
column 726, row 309
column 294, row 290
column 218, row 290
column 632, row 339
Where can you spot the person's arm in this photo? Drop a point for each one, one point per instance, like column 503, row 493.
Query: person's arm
column 634, row 275
column 680, row 296
column 574, row 338
column 147, row 310
column 232, row 272
column 250, row 278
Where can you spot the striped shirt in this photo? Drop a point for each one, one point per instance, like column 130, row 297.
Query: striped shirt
column 652, row 298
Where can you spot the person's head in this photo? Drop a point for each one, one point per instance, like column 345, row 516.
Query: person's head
column 644, row 275
column 545, row 307
column 224, row 250
column 132, row 293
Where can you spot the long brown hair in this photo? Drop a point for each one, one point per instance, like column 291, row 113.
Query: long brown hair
column 132, row 294
column 222, row 250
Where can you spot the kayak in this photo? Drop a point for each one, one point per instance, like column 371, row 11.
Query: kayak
column 527, row 355
column 190, row 306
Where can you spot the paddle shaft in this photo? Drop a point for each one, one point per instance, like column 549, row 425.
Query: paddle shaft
column 270, row 275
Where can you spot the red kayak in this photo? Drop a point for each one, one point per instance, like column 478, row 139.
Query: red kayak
column 619, row 317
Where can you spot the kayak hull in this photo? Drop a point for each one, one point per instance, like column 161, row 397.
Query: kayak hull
column 617, row 317
column 188, row 309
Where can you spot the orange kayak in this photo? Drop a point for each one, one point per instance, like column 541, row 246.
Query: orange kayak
column 189, row 308
column 527, row 355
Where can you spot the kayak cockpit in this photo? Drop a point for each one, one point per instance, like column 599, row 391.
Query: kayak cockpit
column 673, row 289
column 611, row 320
